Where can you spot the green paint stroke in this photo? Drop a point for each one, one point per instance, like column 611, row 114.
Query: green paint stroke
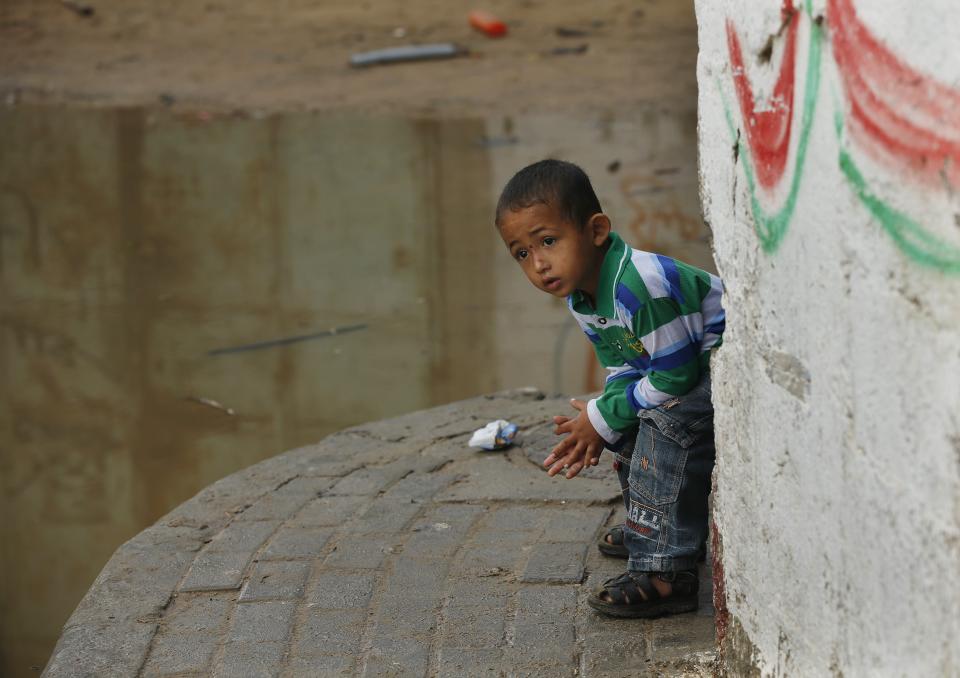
column 913, row 239
column 771, row 228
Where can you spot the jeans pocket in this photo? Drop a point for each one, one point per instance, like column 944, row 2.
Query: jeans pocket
column 658, row 464
column 671, row 425
column 686, row 418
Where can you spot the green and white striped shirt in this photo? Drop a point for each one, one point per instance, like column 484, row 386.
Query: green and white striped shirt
column 653, row 326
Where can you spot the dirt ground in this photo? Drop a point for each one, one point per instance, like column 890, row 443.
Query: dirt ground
column 252, row 55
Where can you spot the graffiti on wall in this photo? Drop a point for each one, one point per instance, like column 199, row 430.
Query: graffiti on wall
column 897, row 112
column 892, row 113
column 770, row 129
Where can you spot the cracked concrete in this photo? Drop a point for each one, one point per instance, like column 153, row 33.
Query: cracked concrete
column 390, row 549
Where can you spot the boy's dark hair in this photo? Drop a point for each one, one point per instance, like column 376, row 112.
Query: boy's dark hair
column 551, row 182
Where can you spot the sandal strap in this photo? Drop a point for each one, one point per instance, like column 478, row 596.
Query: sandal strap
column 631, row 588
column 642, row 581
column 683, row 581
column 616, row 536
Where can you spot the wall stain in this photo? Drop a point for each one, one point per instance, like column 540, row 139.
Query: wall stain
column 22, row 198
column 658, row 221
column 740, row 657
column 787, row 372
column 721, row 611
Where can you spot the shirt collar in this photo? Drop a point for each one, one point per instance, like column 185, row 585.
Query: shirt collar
column 610, row 271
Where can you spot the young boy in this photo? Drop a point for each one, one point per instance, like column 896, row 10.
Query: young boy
column 652, row 321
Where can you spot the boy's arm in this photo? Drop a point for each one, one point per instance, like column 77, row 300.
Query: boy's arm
column 583, row 443
column 670, row 355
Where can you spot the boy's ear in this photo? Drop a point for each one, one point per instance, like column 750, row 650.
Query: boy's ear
column 599, row 225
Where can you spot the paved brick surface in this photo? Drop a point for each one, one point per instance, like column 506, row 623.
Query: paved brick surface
column 387, row 550
column 251, row 659
column 295, row 541
column 240, row 537
column 341, row 590
column 328, row 511
column 188, row 638
column 326, row 632
column 216, row 571
column 269, row 620
column 362, row 552
column 557, row 563
column 272, row 580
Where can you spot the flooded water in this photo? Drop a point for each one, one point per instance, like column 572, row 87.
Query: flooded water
column 183, row 297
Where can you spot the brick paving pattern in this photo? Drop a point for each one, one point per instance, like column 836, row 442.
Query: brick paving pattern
column 393, row 550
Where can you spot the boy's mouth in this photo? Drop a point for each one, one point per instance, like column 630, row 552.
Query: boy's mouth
column 552, row 284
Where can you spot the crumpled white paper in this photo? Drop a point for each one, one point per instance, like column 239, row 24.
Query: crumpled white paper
column 494, row 436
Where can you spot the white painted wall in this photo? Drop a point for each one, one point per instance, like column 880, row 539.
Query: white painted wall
column 838, row 386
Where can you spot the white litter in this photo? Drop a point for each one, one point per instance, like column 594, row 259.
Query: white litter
column 494, row 436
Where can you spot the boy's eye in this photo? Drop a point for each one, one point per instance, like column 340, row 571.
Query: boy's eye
column 549, row 240
column 520, row 255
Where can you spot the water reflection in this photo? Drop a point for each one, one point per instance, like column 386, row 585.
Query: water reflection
column 182, row 298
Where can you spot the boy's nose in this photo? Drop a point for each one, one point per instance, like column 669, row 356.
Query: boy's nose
column 540, row 263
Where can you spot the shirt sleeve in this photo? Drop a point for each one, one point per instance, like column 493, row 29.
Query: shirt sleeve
column 672, row 369
column 618, row 374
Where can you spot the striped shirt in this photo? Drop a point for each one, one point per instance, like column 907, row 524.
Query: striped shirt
column 653, row 326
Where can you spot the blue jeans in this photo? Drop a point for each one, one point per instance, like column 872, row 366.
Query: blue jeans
column 665, row 479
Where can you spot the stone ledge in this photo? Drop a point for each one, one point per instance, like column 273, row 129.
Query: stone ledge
column 361, row 554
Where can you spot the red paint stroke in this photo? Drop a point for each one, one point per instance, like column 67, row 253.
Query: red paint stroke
column 768, row 130
column 912, row 118
column 721, row 613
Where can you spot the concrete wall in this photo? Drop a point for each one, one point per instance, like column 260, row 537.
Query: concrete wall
column 830, row 158
column 134, row 247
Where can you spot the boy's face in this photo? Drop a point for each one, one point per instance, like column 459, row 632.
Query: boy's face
column 556, row 256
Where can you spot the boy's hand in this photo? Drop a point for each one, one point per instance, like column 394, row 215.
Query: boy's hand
column 581, row 448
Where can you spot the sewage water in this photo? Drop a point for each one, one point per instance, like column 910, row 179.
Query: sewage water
column 183, row 297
